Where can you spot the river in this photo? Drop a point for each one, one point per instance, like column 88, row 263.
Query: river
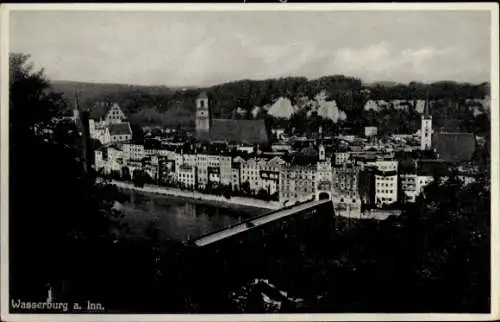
column 179, row 219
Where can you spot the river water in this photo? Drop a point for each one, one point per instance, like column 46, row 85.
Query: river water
column 179, row 219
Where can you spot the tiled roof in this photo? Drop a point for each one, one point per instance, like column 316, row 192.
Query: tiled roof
column 120, row 129
column 454, row 147
column 242, row 131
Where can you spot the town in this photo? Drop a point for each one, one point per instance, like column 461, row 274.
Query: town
column 225, row 161
column 231, row 157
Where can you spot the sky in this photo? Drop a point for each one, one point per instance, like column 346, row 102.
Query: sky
column 205, row 48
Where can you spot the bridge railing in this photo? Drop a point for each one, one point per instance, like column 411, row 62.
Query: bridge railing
column 248, row 223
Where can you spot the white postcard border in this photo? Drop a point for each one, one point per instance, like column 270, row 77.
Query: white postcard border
column 5, row 9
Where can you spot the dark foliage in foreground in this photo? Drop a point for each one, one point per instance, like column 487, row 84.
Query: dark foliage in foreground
column 433, row 258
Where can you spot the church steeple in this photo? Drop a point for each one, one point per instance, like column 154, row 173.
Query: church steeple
column 76, row 109
column 426, row 126
column 427, row 105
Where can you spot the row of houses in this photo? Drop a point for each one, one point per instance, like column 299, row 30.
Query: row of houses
column 350, row 178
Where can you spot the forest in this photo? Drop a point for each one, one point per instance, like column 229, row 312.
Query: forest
column 175, row 107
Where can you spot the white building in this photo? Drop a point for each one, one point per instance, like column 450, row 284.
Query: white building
column 387, row 165
column 226, row 172
column 250, row 172
column 426, row 130
column 245, row 148
column 108, row 124
column 371, row 131
column 269, row 174
column 100, row 160
column 342, row 157
column 386, row 182
column 214, row 169
column 202, row 170
column 188, row 161
column 236, row 172
column 186, row 176
column 324, row 175
column 133, row 151
column 386, row 189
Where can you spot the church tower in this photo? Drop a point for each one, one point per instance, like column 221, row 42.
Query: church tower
column 426, row 128
column 202, row 114
column 322, row 153
column 76, row 110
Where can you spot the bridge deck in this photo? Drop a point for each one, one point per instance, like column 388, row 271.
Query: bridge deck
column 255, row 222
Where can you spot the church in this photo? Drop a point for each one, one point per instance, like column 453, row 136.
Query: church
column 213, row 130
column 452, row 147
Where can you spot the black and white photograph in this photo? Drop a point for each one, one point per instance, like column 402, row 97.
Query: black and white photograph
column 249, row 161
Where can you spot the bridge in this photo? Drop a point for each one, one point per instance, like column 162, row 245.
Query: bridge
column 270, row 222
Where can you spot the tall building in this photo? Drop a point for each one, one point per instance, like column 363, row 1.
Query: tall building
column 386, row 182
column 426, row 129
column 324, row 175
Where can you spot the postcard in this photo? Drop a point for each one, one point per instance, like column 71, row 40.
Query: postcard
column 241, row 162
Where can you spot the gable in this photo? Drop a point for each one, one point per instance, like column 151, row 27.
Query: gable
column 115, row 112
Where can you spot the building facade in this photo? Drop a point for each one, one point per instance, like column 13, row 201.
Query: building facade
column 108, row 124
column 297, row 183
column 345, row 185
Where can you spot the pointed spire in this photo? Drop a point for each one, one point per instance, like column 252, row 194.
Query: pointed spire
column 76, row 99
column 426, row 108
column 76, row 108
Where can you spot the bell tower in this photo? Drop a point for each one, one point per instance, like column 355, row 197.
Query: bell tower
column 322, row 154
column 202, row 114
column 426, row 128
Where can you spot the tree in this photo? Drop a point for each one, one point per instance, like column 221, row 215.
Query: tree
column 245, row 187
column 263, row 194
column 60, row 219
column 138, row 178
column 227, row 192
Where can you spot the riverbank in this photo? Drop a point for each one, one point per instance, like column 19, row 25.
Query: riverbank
column 197, row 197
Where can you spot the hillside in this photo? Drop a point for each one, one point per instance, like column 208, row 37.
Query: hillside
column 326, row 101
column 91, row 92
